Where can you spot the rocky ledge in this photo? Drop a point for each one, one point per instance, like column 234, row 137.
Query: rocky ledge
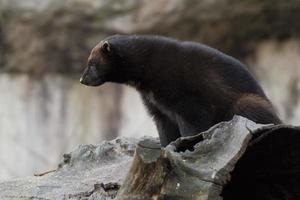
column 89, row 172
column 231, row 160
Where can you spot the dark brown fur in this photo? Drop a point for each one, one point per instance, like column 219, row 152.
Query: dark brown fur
column 187, row 87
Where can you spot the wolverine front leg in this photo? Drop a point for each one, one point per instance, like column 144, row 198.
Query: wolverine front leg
column 168, row 131
column 193, row 120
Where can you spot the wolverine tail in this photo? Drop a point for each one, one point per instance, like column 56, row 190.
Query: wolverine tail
column 257, row 109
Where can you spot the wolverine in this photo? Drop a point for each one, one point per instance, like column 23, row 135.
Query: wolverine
column 187, row 87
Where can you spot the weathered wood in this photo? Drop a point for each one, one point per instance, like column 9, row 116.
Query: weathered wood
column 177, row 173
column 270, row 167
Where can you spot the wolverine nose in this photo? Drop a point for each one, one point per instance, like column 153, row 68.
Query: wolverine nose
column 85, row 80
column 84, row 76
column 81, row 80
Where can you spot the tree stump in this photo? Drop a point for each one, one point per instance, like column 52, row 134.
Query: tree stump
column 195, row 167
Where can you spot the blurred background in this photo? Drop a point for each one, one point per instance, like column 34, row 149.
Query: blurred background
column 44, row 45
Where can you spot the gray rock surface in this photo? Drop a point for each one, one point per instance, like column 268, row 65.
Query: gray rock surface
column 97, row 172
column 231, row 160
column 89, row 172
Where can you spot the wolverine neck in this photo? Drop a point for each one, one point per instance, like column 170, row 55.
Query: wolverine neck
column 142, row 66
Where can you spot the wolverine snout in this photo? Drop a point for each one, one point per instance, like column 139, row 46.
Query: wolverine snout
column 90, row 77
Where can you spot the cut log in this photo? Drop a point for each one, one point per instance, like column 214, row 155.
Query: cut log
column 175, row 172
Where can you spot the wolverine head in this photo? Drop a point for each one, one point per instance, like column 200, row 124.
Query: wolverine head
column 119, row 59
column 99, row 65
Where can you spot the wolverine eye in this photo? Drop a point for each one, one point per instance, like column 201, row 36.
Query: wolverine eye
column 106, row 47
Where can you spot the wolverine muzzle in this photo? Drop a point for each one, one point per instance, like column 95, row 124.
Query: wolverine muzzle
column 90, row 77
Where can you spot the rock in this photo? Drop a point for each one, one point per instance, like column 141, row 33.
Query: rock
column 232, row 161
column 89, row 172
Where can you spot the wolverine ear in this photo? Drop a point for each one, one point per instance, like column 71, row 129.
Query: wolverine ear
column 106, row 47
